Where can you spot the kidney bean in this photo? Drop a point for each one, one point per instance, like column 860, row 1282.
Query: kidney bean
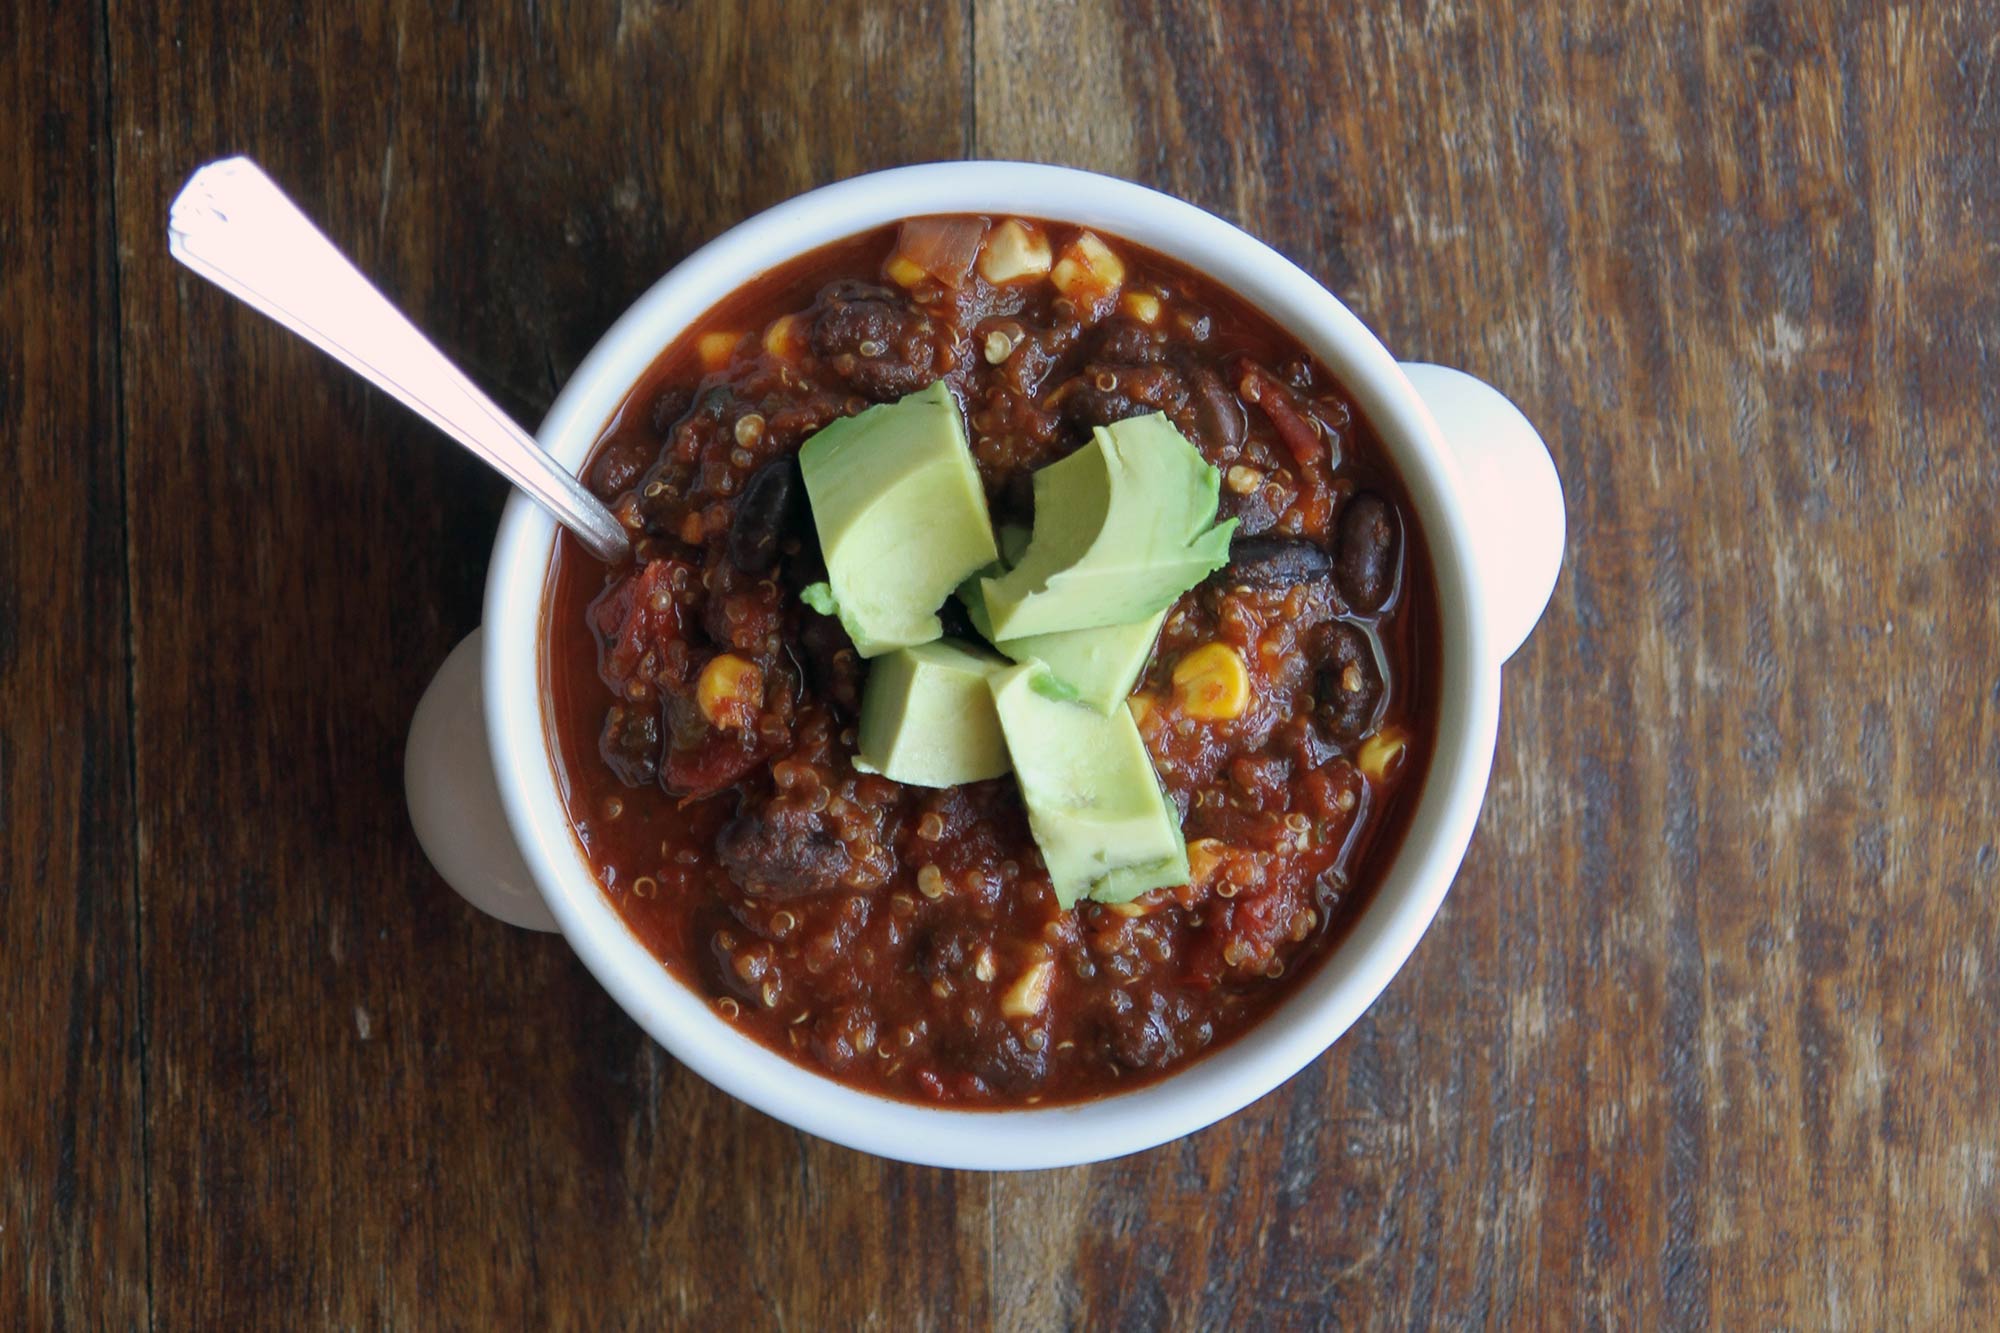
column 1348, row 685
column 763, row 515
column 1365, row 559
column 1218, row 415
column 1273, row 562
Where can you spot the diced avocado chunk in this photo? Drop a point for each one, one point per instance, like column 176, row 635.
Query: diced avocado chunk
column 927, row 716
column 1100, row 664
column 1095, row 806
column 1123, row 526
column 1014, row 541
column 901, row 517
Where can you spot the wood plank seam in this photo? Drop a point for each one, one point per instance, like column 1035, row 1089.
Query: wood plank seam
column 121, row 436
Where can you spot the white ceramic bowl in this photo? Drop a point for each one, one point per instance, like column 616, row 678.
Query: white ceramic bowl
column 1483, row 489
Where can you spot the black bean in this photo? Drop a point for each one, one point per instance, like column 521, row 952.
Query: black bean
column 1252, row 512
column 1013, row 500
column 1127, row 343
column 671, row 405
column 946, row 952
column 781, row 852
column 1273, row 562
column 1007, row 1061
column 1348, row 684
column 879, row 344
column 1365, row 565
column 1144, row 1032
column 832, row 666
column 1102, row 394
column 764, row 515
column 620, row 464
column 630, row 743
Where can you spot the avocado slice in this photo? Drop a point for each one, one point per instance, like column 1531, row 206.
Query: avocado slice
column 901, row 517
column 1100, row 664
column 1123, row 526
column 1095, row 806
column 927, row 716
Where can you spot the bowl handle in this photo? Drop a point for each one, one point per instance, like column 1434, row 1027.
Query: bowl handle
column 1513, row 498
column 455, row 803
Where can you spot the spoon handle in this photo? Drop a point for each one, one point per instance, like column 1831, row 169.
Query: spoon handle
column 235, row 227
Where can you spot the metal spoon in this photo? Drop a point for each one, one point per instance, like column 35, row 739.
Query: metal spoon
column 235, row 227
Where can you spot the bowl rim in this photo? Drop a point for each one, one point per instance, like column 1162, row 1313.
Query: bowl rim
column 1219, row 1083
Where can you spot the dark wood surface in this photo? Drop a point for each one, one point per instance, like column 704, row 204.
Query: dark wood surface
column 1709, row 1029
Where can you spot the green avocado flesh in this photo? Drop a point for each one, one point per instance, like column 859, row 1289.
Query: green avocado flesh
column 1123, row 526
column 1099, row 665
column 927, row 716
column 1095, row 806
column 901, row 517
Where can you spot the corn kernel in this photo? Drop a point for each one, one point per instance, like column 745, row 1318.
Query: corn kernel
column 729, row 692
column 1087, row 270
column 1380, row 752
column 1030, row 991
column 715, row 349
column 1014, row 250
column 1204, row 855
column 1243, row 480
column 1142, row 306
column 1141, row 706
column 782, row 338
column 1211, row 684
column 905, row 271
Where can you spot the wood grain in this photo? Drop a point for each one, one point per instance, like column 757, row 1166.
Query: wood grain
column 1705, row 1034
column 72, row 1149
column 369, row 1103
column 1695, row 1038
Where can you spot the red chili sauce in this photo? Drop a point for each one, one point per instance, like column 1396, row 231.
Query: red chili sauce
column 905, row 940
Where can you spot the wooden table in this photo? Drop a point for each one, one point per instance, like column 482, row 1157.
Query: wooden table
column 1707, row 1031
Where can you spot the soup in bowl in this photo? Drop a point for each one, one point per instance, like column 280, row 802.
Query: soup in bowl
column 1055, row 678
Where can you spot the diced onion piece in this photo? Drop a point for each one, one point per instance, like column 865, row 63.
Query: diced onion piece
column 1142, row 306
column 905, row 272
column 1030, row 992
column 942, row 248
column 1015, row 250
column 1380, row 753
column 1211, row 683
column 783, row 338
column 1088, row 271
column 730, row 692
column 715, row 349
